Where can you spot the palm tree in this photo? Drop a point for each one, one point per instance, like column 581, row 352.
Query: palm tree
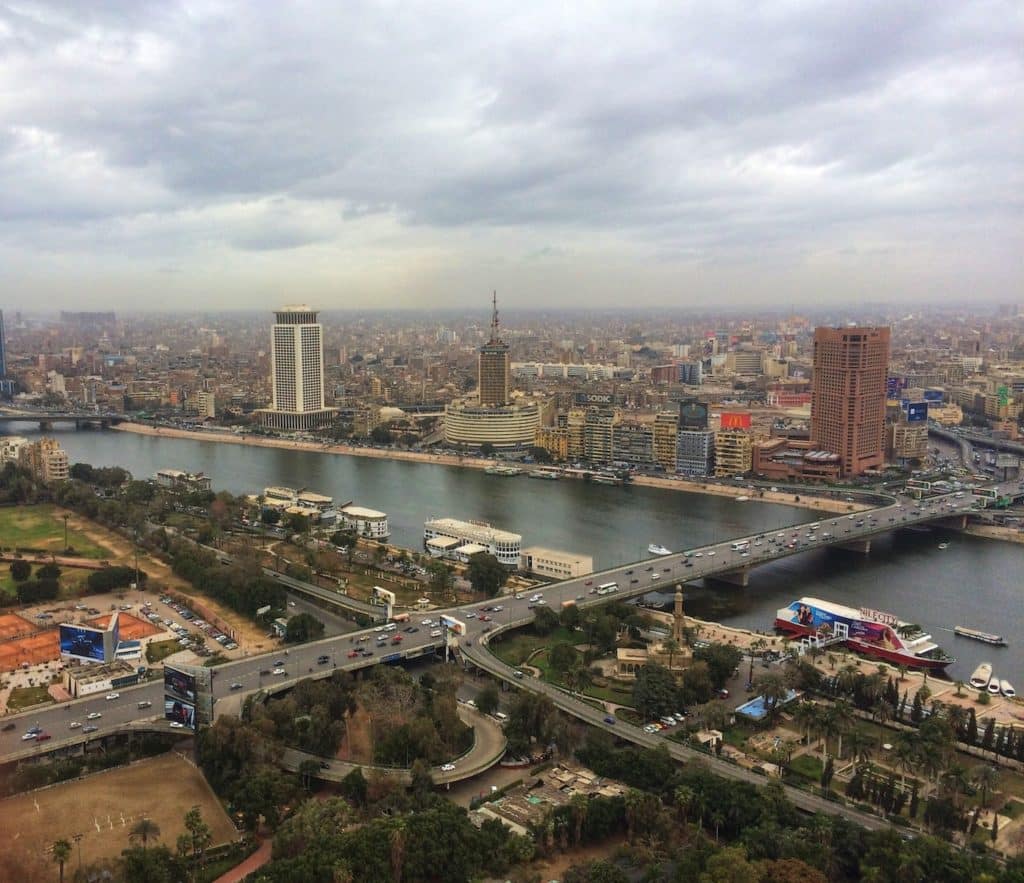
column 847, row 677
column 60, row 852
column 397, row 848
column 841, row 721
column 955, row 778
column 684, row 798
column 959, row 688
column 805, row 716
column 578, row 806
column 905, row 753
column 144, row 829
column 957, row 717
column 861, row 745
column 985, row 777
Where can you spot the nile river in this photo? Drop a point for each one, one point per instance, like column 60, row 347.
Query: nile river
column 975, row 582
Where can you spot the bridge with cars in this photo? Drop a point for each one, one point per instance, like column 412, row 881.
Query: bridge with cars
column 730, row 560
column 46, row 419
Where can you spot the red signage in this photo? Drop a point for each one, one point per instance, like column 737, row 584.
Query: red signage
column 736, row 420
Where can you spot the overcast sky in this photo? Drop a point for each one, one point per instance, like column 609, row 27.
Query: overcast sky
column 395, row 154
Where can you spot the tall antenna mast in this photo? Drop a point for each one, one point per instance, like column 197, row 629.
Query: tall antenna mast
column 494, row 316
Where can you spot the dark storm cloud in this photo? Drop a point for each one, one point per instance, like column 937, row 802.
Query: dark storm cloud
column 699, row 130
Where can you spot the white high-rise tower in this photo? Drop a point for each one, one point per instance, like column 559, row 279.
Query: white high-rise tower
column 297, row 371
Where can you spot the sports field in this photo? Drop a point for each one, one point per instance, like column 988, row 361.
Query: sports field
column 37, row 527
column 103, row 807
column 130, row 628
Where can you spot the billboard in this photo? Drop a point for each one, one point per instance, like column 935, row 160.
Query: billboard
column 693, row 415
column 82, row 642
column 179, row 685
column 917, row 412
column 735, row 419
column 182, row 712
column 933, row 395
column 453, row 625
column 583, row 399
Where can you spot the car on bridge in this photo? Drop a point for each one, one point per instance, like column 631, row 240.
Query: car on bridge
column 235, row 686
column 94, row 715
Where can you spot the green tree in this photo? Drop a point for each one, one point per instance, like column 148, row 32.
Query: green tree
column 21, row 570
column 654, row 691
column 730, row 865
column 774, row 689
column 562, row 656
column 722, row 660
column 145, row 830
column 199, row 833
column 60, row 852
column 487, row 699
column 486, row 574
column 303, row 627
column 487, row 450
column 545, row 620
column 48, row 571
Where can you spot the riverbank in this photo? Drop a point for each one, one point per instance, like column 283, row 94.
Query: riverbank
column 803, row 500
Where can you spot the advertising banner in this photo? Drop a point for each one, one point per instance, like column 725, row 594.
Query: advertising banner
column 735, row 420
column 82, row 642
column 179, row 711
column 179, row 685
column 917, row 412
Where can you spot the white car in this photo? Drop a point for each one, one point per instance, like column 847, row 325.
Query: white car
column 447, row 767
column 74, row 725
column 279, row 671
column 177, row 725
column 711, row 552
column 111, row 696
column 94, row 715
column 427, row 622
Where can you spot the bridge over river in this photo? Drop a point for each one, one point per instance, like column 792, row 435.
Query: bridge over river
column 728, row 560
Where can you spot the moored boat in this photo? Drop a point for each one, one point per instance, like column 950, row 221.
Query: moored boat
column 993, row 686
column 1006, row 688
column 742, row 499
column 870, row 632
column 985, row 637
column 607, row 478
column 655, row 549
column 546, row 474
column 507, row 471
column 981, row 676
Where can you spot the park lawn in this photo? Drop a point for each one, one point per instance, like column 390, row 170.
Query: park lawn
column 25, row 697
column 34, row 527
column 7, row 585
column 157, row 651
column 516, row 648
column 807, row 767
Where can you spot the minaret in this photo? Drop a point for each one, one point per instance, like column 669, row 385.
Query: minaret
column 678, row 619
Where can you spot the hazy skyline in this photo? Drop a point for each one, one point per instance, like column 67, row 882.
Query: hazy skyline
column 217, row 155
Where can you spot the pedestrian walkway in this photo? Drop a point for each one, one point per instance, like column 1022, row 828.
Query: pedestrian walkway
column 253, row 863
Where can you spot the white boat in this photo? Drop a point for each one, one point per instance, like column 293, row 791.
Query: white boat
column 982, row 675
column 943, row 545
column 1006, row 688
column 742, row 499
column 993, row 686
column 655, row 549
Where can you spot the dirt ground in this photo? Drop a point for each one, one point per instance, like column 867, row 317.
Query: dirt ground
column 357, row 745
column 103, row 808
column 12, row 626
column 34, row 649
column 130, row 628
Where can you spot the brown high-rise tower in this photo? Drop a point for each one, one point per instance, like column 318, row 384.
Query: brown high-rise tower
column 848, row 395
column 494, row 379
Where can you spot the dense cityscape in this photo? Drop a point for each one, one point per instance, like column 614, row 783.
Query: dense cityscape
column 511, row 443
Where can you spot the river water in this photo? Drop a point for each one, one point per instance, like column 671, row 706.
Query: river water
column 975, row 582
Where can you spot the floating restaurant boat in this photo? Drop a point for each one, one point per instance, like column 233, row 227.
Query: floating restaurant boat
column 607, row 478
column 984, row 637
column 981, row 676
column 655, row 549
column 507, row 471
column 870, row 632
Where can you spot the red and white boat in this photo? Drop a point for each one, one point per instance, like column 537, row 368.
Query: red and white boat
column 870, row 632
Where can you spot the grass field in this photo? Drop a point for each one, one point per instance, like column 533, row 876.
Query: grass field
column 26, row 697
column 103, row 808
column 158, row 651
column 35, row 527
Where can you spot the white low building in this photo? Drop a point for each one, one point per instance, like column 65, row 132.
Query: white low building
column 366, row 522
column 502, row 544
column 554, row 564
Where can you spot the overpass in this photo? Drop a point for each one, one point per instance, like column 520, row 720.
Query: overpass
column 46, row 419
column 717, row 560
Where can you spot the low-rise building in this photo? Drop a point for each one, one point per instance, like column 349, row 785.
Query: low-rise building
column 190, row 481
column 786, row 459
column 554, row 564
column 86, row 680
column 9, row 447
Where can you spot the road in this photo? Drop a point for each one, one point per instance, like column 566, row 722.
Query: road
column 254, row 673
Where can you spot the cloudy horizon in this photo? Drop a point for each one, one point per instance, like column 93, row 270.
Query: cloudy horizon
column 158, row 155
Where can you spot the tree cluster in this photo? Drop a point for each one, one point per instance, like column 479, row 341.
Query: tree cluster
column 242, row 585
column 115, row 577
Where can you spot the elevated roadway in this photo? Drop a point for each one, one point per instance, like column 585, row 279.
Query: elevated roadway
column 717, row 560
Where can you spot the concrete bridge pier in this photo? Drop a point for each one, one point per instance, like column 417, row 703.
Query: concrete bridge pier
column 739, row 577
column 953, row 522
column 862, row 547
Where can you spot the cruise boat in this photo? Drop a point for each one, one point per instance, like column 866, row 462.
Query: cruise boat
column 607, row 478
column 985, row 637
column 655, row 549
column 507, row 471
column 871, row 632
column 982, row 675
column 1006, row 688
column 546, row 474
